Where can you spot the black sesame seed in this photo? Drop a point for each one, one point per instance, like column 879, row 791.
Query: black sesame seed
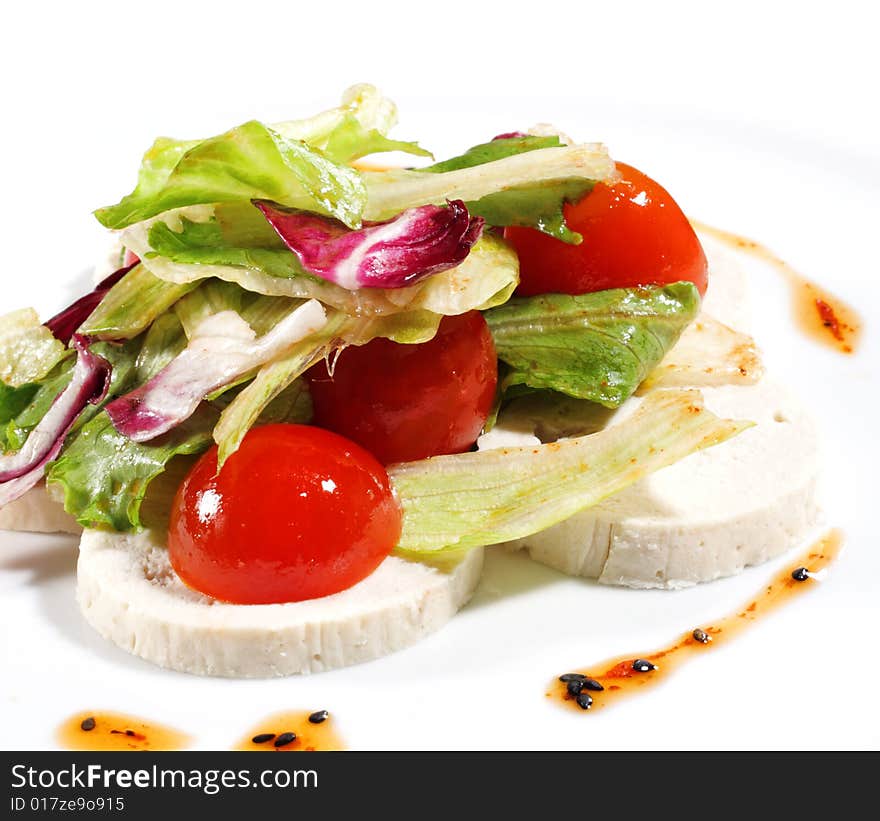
column 318, row 717
column 284, row 739
column 574, row 687
column 584, row 701
column 642, row 666
column 701, row 636
column 87, row 724
column 592, row 684
column 567, row 677
column 262, row 738
column 800, row 574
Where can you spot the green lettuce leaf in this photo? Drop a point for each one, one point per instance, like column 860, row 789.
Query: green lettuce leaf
column 262, row 313
column 251, row 161
column 596, row 346
column 210, row 297
column 28, row 349
column 122, row 359
column 517, row 181
column 491, row 151
column 354, row 129
column 406, row 327
column 43, row 394
column 363, row 102
column 104, row 476
column 195, row 245
column 454, row 503
column 350, row 141
column 551, row 415
column 133, row 304
column 534, row 206
column 203, row 243
column 13, row 401
column 162, row 342
column 267, row 388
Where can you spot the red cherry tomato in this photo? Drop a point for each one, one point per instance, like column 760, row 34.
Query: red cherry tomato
column 296, row 513
column 408, row 402
column 634, row 234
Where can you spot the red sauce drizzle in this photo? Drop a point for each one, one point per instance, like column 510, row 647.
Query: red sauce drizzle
column 823, row 317
column 620, row 679
column 99, row 731
column 96, row 731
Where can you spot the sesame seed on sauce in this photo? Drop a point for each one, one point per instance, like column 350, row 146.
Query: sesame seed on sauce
column 262, row 738
column 642, row 666
column 87, row 724
column 584, row 701
column 310, row 729
column 575, row 687
column 701, row 636
column 800, row 574
column 284, row 739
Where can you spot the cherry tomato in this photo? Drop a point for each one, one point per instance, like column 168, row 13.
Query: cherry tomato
column 634, row 234
column 296, row 513
column 408, row 402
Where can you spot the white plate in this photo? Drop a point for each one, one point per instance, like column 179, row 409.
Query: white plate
column 805, row 677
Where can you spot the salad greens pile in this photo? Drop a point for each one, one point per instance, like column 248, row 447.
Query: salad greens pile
column 258, row 252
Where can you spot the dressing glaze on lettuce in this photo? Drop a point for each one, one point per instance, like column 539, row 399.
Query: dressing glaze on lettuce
column 596, row 346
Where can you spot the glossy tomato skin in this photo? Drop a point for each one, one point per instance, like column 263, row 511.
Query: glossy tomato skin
column 296, row 513
column 408, row 402
column 633, row 232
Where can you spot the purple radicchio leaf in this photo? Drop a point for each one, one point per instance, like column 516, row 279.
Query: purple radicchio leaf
column 222, row 348
column 510, row 135
column 64, row 324
column 416, row 244
column 21, row 470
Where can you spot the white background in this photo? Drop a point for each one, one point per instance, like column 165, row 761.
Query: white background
column 759, row 117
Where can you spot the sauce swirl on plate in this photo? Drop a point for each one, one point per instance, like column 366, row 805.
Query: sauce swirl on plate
column 616, row 678
column 823, row 317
